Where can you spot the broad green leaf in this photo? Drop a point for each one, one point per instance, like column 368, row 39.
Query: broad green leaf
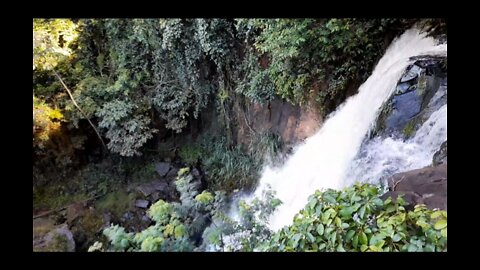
column 295, row 240
column 411, row 248
column 350, row 234
column 361, row 213
column 320, row 229
column 373, row 240
column 375, row 248
column 355, row 241
column 442, row 223
column 435, row 214
column 312, row 202
column 346, row 212
column 444, row 232
column 310, row 237
column 396, row 237
column 380, row 243
column 363, row 248
column 338, row 222
column 329, row 198
column 363, row 238
column 333, row 238
column 377, row 202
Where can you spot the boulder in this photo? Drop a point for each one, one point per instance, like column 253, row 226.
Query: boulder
column 172, row 173
column 127, row 216
column 405, row 107
column 75, row 211
column 142, row 203
column 411, row 74
column 402, row 88
column 159, row 185
column 146, row 189
column 162, row 168
column 59, row 239
column 427, row 186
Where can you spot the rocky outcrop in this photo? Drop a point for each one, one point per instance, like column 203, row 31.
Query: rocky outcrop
column 422, row 186
column 57, row 239
column 440, row 156
column 291, row 123
column 420, row 91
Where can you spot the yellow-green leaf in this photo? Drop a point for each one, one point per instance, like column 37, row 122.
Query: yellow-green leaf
column 442, row 223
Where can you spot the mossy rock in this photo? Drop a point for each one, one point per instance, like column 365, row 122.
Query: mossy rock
column 59, row 239
column 116, row 203
column 409, row 129
column 87, row 228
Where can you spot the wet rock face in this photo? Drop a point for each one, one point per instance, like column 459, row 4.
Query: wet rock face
column 292, row 123
column 405, row 107
column 419, row 92
column 440, row 156
column 422, row 186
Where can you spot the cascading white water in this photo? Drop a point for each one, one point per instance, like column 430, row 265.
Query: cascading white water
column 323, row 160
column 382, row 157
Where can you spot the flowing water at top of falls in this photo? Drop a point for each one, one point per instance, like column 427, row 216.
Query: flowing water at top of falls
column 325, row 159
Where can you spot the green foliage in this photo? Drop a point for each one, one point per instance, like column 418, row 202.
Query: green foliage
column 409, row 129
column 337, row 51
column 116, row 202
column 51, row 41
column 46, row 121
column 356, row 219
column 268, row 144
column 254, row 82
column 248, row 231
column 127, row 74
column 190, row 154
column 118, row 237
column 205, row 197
column 228, row 168
column 176, row 224
column 54, row 196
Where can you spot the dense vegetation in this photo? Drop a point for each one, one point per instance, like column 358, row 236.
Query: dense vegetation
column 355, row 219
column 125, row 83
column 113, row 96
column 128, row 74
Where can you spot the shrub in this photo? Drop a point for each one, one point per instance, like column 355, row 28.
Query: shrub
column 356, row 219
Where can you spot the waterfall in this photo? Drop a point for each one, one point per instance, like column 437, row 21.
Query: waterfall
column 326, row 159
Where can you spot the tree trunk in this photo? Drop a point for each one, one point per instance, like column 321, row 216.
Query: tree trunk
column 79, row 109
